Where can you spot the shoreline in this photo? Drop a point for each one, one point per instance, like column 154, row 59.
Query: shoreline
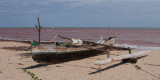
column 14, row 40
column 118, row 45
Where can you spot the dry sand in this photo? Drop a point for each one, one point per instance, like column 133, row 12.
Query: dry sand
column 13, row 62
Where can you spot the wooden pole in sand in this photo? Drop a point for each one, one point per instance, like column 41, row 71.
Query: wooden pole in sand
column 39, row 30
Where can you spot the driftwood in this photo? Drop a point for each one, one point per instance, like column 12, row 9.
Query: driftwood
column 121, row 57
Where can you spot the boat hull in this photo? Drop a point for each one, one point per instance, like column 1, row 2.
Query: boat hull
column 53, row 57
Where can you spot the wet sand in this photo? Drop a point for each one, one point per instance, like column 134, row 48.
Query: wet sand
column 14, row 60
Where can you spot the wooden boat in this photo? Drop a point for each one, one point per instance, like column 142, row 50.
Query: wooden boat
column 52, row 53
column 59, row 52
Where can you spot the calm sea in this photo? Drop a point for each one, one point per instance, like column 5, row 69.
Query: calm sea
column 140, row 37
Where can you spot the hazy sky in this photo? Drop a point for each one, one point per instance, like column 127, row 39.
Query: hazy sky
column 80, row 13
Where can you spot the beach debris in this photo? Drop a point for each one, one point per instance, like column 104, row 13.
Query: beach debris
column 31, row 74
column 139, row 68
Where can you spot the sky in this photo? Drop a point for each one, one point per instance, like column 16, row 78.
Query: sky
column 80, row 13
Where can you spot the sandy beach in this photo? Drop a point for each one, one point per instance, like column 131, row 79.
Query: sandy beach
column 13, row 60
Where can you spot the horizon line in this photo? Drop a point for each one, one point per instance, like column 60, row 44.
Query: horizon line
column 94, row 27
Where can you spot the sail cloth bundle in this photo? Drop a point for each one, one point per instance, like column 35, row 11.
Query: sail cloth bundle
column 76, row 42
column 121, row 57
column 108, row 41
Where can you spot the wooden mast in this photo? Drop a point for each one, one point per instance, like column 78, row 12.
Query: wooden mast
column 108, row 31
column 39, row 30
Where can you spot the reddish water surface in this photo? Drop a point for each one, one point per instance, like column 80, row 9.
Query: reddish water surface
column 141, row 37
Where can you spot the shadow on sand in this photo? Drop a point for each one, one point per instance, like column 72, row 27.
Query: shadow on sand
column 81, row 66
column 25, row 55
column 36, row 66
column 113, row 66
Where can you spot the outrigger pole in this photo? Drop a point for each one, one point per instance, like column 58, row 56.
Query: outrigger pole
column 39, row 30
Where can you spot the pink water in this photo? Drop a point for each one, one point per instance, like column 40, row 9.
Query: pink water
column 141, row 37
